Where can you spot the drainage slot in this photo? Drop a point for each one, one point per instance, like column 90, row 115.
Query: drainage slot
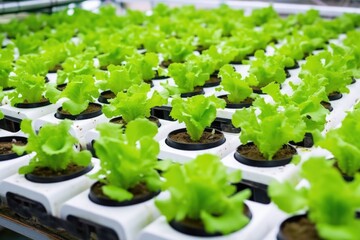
column 90, row 230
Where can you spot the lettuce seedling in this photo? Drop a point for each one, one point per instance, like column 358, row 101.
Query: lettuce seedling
column 28, row 88
column 307, row 97
column 175, row 49
column 201, row 189
column 330, row 201
column 188, row 75
column 197, row 112
column 119, row 78
column 331, row 67
column 207, row 36
column 262, row 15
column 116, row 55
column 269, row 69
column 134, row 103
column 275, row 126
column 151, row 38
column 343, row 143
column 79, row 92
column 128, row 158
column 34, row 64
column 81, row 64
column 237, row 87
column 146, row 64
column 53, row 147
column 219, row 55
column 6, row 59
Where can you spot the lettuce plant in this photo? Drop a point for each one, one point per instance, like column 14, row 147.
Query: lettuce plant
column 330, row 201
column 81, row 64
column 119, row 78
column 128, row 158
column 175, row 49
column 207, row 36
column 237, row 87
column 331, row 67
column 344, row 144
column 151, row 38
column 201, row 190
column 197, row 112
column 6, row 58
column 134, row 103
column 28, row 88
column 53, row 145
column 79, row 92
column 29, row 43
column 146, row 64
column 262, row 15
column 270, row 129
column 307, row 97
column 34, row 64
column 220, row 55
column 269, row 69
column 116, row 55
column 188, row 75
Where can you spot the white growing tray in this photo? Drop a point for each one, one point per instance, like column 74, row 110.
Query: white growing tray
column 50, row 195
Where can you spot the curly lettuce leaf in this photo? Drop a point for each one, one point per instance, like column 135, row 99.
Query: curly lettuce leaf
column 127, row 158
column 53, row 145
column 272, row 128
column 197, row 112
column 231, row 81
column 201, row 189
column 134, row 103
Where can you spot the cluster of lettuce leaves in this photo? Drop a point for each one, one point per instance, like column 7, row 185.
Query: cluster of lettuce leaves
column 343, row 143
column 201, row 189
column 53, row 147
column 331, row 202
column 134, row 103
column 197, row 112
column 127, row 158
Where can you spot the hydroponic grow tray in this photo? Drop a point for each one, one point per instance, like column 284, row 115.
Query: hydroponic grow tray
column 73, row 215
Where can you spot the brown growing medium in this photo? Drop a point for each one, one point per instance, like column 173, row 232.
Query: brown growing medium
column 139, row 191
column 245, row 101
column 42, row 100
column 207, row 137
column 56, row 68
column 90, row 109
column 251, row 151
column 213, row 80
column 166, row 63
column 120, row 120
column 326, row 105
column 47, row 172
column 108, row 95
column 302, row 229
column 6, row 147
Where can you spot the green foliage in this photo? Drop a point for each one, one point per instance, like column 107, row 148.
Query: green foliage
column 119, row 78
column 343, row 143
column 197, row 112
column 6, row 58
column 175, row 49
column 331, row 202
column 28, row 88
column 237, row 87
column 189, row 75
column 262, row 15
column 207, row 36
column 268, row 69
column 116, row 55
column 275, row 126
column 220, row 56
column 53, row 145
column 29, row 43
column 34, row 64
column 81, row 64
column 127, row 158
column 307, row 97
column 201, row 190
column 332, row 67
column 146, row 64
column 134, row 103
column 79, row 92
